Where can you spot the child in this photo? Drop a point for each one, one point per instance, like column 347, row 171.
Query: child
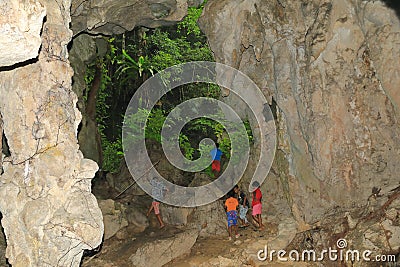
column 157, row 192
column 231, row 205
column 216, row 155
column 243, row 206
column 256, row 205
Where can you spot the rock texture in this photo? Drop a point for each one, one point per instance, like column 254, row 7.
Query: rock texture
column 329, row 67
column 49, row 213
column 20, row 26
column 114, row 217
column 137, row 219
column 210, row 219
column 112, row 17
column 375, row 228
column 159, row 252
column 327, row 64
column 83, row 52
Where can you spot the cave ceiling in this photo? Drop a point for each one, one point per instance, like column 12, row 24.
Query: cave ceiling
column 118, row 16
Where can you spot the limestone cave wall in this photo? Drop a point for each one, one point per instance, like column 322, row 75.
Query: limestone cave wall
column 49, row 214
column 331, row 68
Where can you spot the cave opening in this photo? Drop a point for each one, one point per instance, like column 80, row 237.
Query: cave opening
column 327, row 66
column 3, row 245
column 4, row 153
column 395, row 5
column 5, row 147
column 113, row 77
column 108, row 72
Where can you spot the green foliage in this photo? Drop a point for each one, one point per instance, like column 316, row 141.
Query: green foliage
column 154, row 125
column 189, row 23
column 102, row 107
column 135, row 123
column 112, row 51
column 185, row 145
column 112, row 150
column 89, row 76
column 134, row 57
column 249, row 131
column 193, row 131
column 167, row 50
column 127, row 63
column 112, row 154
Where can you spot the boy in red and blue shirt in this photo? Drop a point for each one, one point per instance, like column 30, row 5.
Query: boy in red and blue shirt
column 216, row 155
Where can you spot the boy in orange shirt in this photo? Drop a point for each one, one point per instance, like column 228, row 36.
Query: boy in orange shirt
column 231, row 205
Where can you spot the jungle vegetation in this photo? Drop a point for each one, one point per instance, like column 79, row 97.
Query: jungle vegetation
column 131, row 59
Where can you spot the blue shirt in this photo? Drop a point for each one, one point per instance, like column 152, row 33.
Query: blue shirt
column 158, row 189
column 216, row 154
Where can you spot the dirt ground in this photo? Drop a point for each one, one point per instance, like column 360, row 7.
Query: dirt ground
column 117, row 250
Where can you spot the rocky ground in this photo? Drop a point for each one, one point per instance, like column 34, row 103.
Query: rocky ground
column 122, row 249
column 192, row 237
column 183, row 246
column 198, row 236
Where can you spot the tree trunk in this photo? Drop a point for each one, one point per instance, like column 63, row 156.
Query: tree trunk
column 91, row 110
column 92, row 97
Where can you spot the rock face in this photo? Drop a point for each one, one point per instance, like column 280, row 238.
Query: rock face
column 375, row 228
column 83, row 52
column 113, row 217
column 20, row 26
column 160, row 252
column 210, row 219
column 329, row 67
column 49, row 213
column 113, row 17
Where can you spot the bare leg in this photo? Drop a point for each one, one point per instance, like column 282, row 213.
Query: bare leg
column 150, row 209
column 160, row 220
column 255, row 219
column 260, row 220
column 230, row 232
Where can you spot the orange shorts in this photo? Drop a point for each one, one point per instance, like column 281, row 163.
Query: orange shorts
column 216, row 165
